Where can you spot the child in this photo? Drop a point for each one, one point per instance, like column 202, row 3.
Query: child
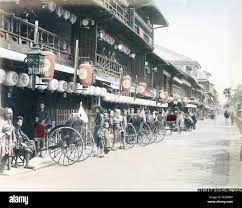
column 107, row 138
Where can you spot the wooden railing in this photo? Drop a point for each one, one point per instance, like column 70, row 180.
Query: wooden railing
column 117, row 10
column 107, row 67
column 17, row 30
column 146, row 37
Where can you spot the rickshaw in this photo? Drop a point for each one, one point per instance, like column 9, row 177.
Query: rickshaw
column 70, row 143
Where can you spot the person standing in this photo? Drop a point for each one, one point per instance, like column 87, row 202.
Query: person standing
column 99, row 131
column 7, row 137
column 39, row 135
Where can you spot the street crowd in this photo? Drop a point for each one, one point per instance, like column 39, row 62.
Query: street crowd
column 109, row 132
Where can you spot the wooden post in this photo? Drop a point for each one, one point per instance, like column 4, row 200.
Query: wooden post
column 76, row 63
column 136, row 80
column 36, row 28
column 120, row 80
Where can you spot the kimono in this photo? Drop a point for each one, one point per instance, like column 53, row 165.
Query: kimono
column 7, row 138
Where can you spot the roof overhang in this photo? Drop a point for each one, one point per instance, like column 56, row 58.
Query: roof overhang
column 154, row 13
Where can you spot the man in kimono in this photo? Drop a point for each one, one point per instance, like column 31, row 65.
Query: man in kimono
column 6, row 137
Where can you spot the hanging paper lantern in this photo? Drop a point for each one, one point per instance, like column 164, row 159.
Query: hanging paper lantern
column 49, row 65
column 103, row 92
column 91, row 90
column 51, row 6
column 66, row 14
column 98, row 91
column 11, row 79
column 142, row 88
column 59, row 11
column 126, row 83
column 62, row 86
column 53, row 85
column 2, row 76
column 86, row 74
column 23, row 80
column 73, row 18
column 70, row 87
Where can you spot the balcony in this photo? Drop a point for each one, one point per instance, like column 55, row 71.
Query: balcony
column 18, row 35
column 122, row 14
column 117, row 10
column 108, row 68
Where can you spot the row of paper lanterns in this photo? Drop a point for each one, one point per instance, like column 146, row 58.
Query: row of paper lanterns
column 23, row 80
column 128, row 100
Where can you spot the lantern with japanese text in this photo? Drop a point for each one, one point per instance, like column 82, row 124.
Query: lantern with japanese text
column 142, row 88
column 49, row 65
column 86, row 74
column 126, row 83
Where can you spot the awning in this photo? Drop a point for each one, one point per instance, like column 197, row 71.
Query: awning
column 166, row 73
column 154, row 13
column 16, row 56
column 177, row 80
column 186, row 83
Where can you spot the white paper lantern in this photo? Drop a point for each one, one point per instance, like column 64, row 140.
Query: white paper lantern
column 53, row 85
column 11, row 79
column 103, row 92
column 62, row 86
column 98, row 91
column 70, row 87
column 23, row 80
column 91, row 90
column 2, row 76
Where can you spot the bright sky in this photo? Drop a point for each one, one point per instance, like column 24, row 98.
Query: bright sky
column 209, row 31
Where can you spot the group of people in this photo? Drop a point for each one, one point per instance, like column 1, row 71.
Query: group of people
column 14, row 143
column 183, row 121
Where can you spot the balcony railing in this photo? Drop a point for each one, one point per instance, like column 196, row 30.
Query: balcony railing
column 110, row 68
column 18, row 31
column 117, row 10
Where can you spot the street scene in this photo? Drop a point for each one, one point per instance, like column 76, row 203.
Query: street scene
column 207, row 158
column 119, row 95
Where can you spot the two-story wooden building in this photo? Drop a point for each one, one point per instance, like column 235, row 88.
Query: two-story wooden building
column 114, row 36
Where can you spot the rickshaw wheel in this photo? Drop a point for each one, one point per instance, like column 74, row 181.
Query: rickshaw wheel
column 161, row 131
column 65, row 145
column 130, row 136
column 88, row 143
column 144, row 134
